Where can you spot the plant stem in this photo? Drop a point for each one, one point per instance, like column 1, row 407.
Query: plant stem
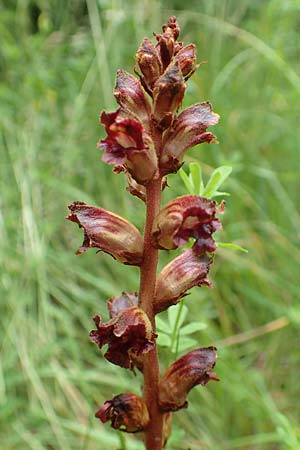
column 153, row 433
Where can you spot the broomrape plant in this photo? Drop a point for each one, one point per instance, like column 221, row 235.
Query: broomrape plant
column 146, row 140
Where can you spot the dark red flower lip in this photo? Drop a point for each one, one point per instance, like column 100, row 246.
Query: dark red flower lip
column 128, row 333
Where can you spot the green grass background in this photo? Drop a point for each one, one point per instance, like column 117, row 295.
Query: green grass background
column 58, row 62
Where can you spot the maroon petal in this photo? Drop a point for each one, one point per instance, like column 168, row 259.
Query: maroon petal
column 149, row 63
column 128, row 333
column 127, row 412
column 188, row 371
column 128, row 144
column 168, row 93
column 108, row 232
column 180, row 275
column 131, row 96
column 185, row 217
column 188, row 130
column 186, row 58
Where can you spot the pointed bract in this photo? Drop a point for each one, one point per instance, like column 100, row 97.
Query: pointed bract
column 188, row 371
column 180, row 275
column 127, row 412
column 108, row 232
column 129, row 332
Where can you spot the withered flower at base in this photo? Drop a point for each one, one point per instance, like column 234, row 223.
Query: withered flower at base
column 127, row 334
column 188, row 130
column 180, row 275
column 108, row 232
column 185, row 217
column 127, row 412
column 191, row 369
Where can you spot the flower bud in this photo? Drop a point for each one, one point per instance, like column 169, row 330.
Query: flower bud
column 108, row 232
column 188, row 130
column 185, row 217
column 188, row 371
column 127, row 412
column 128, row 144
column 168, row 93
column 149, row 63
column 116, row 305
column 166, row 42
column 180, row 275
column 128, row 333
column 186, row 58
column 131, row 96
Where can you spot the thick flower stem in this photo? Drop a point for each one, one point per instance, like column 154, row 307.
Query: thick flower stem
column 153, row 433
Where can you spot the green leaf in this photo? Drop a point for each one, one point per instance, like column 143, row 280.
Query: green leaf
column 163, row 340
column 173, row 313
column 216, row 179
column 192, row 327
column 196, row 178
column 185, row 343
column 188, row 183
column 223, row 194
column 232, row 246
column 162, row 325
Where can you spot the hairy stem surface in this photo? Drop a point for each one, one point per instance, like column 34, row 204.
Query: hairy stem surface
column 153, row 433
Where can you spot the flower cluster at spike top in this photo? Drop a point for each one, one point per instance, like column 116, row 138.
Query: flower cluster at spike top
column 147, row 139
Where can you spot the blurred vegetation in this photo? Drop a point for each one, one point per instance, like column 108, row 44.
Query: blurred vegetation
column 58, row 61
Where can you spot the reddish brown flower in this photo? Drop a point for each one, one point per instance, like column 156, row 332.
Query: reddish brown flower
column 108, row 232
column 149, row 63
column 186, row 58
column 188, row 371
column 128, row 333
column 116, row 305
column 188, row 130
column 131, row 96
column 185, row 217
column 180, row 275
column 168, row 93
column 127, row 412
column 128, row 144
